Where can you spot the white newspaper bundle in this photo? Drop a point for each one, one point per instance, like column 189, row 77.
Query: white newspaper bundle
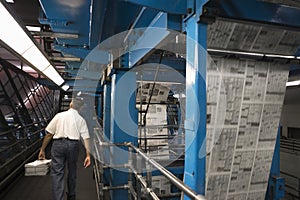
column 37, row 168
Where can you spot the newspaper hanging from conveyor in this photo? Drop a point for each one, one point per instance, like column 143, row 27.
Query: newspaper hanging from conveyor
column 244, row 101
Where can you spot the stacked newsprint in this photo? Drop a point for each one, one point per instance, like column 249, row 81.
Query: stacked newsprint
column 37, row 168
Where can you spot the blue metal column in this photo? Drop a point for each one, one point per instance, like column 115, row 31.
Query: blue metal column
column 106, row 125
column 195, row 124
column 276, row 183
column 106, row 109
column 124, row 127
column 99, row 106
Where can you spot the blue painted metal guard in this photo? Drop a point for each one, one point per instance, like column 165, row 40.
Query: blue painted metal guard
column 124, row 127
column 195, row 124
column 150, row 37
column 168, row 6
column 112, row 17
column 276, row 187
column 68, row 17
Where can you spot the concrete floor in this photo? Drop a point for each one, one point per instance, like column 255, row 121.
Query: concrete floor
column 39, row 187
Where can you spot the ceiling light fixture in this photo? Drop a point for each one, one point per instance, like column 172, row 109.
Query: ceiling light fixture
column 292, row 83
column 65, row 87
column 33, row 28
column 280, row 56
column 14, row 36
column 236, row 52
column 252, row 54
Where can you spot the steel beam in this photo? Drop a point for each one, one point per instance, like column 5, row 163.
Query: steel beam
column 9, row 102
column 23, row 112
column 276, row 14
column 106, row 109
column 195, row 124
column 64, row 59
column 106, row 124
column 168, row 6
column 96, row 56
column 82, row 83
column 99, row 107
column 68, row 17
column 275, row 190
column 88, row 74
column 97, row 18
column 148, row 38
column 56, row 35
column 27, row 95
column 124, row 126
column 162, row 74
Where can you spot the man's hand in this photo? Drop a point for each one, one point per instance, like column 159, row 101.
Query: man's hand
column 42, row 155
column 46, row 141
column 87, row 162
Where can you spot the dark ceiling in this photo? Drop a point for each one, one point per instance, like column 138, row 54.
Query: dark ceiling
column 27, row 11
column 119, row 15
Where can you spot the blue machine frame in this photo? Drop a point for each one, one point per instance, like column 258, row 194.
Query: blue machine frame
column 96, row 20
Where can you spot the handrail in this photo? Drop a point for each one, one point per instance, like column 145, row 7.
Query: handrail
column 99, row 140
column 290, row 145
column 291, row 187
column 20, row 140
column 176, row 181
column 21, row 165
column 290, row 175
column 22, row 127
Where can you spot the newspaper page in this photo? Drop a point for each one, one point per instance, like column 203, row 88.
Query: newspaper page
column 244, row 101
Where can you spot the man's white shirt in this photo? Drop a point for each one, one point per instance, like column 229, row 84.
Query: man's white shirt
column 68, row 124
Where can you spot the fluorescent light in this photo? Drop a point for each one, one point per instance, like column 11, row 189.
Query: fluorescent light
column 10, row 1
column 236, row 52
column 25, row 68
column 292, row 83
column 65, row 87
column 53, row 75
column 13, row 35
column 35, row 57
column 34, row 28
column 279, row 56
column 253, row 54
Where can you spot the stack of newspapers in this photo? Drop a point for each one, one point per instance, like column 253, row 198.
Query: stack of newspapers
column 37, row 168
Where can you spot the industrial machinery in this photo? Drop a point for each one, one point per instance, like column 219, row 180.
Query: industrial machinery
column 183, row 97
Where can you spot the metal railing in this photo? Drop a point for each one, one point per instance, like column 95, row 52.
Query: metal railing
column 292, row 184
column 290, row 145
column 137, row 163
column 18, row 146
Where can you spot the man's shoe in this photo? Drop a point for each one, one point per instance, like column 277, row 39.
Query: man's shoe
column 70, row 197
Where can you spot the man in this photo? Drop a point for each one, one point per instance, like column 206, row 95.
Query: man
column 65, row 129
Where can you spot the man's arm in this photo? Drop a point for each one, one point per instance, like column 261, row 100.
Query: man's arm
column 87, row 160
column 46, row 141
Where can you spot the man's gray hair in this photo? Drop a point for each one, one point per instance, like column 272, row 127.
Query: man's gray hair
column 77, row 103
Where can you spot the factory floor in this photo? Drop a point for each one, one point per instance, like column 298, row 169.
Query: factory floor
column 39, row 187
